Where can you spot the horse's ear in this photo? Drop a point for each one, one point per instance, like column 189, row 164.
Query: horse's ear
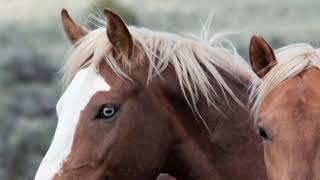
column 73, row 31
column 118, row 33
column 261, row 56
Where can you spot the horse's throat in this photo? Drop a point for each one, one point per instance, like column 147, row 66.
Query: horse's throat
column 190, row 162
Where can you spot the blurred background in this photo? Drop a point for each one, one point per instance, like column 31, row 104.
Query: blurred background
column 32, row 48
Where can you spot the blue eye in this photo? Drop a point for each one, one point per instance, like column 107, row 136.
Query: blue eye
column 107, row 112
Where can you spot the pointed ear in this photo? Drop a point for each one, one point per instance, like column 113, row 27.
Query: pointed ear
column 73, row 31
column 118, row 33
column 261, row 56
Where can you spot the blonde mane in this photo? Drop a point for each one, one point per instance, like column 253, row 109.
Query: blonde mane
column 291, row 60
column 195, row 61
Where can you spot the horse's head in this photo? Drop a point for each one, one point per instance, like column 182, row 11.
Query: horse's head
column 109, row 127
column 287, row 108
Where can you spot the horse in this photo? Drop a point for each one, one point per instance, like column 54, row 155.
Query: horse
column 139, row 102
column 286, row 108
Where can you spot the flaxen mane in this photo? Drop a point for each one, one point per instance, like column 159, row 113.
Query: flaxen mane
column 191, row 58
column 291, row 60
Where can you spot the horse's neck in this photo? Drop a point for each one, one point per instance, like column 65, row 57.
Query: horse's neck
column 231, row 148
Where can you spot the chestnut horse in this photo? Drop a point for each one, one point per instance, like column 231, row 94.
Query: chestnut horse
column 139, row 103
column 287, row 107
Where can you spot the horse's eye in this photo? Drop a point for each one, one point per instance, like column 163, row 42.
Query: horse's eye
column 107, row 112
column 263, row 133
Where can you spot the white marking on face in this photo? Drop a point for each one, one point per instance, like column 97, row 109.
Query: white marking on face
column 78, row 94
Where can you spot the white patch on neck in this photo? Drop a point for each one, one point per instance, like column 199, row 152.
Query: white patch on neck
column 84, row 85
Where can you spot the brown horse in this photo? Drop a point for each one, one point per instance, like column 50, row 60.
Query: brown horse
column 286, row 108
column 139, row 103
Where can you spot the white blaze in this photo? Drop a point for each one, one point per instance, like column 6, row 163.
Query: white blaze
column 83, row 86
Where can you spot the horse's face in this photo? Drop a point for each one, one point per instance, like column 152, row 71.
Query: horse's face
column 289, row 121
column 121, row 131
column 108, row 128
